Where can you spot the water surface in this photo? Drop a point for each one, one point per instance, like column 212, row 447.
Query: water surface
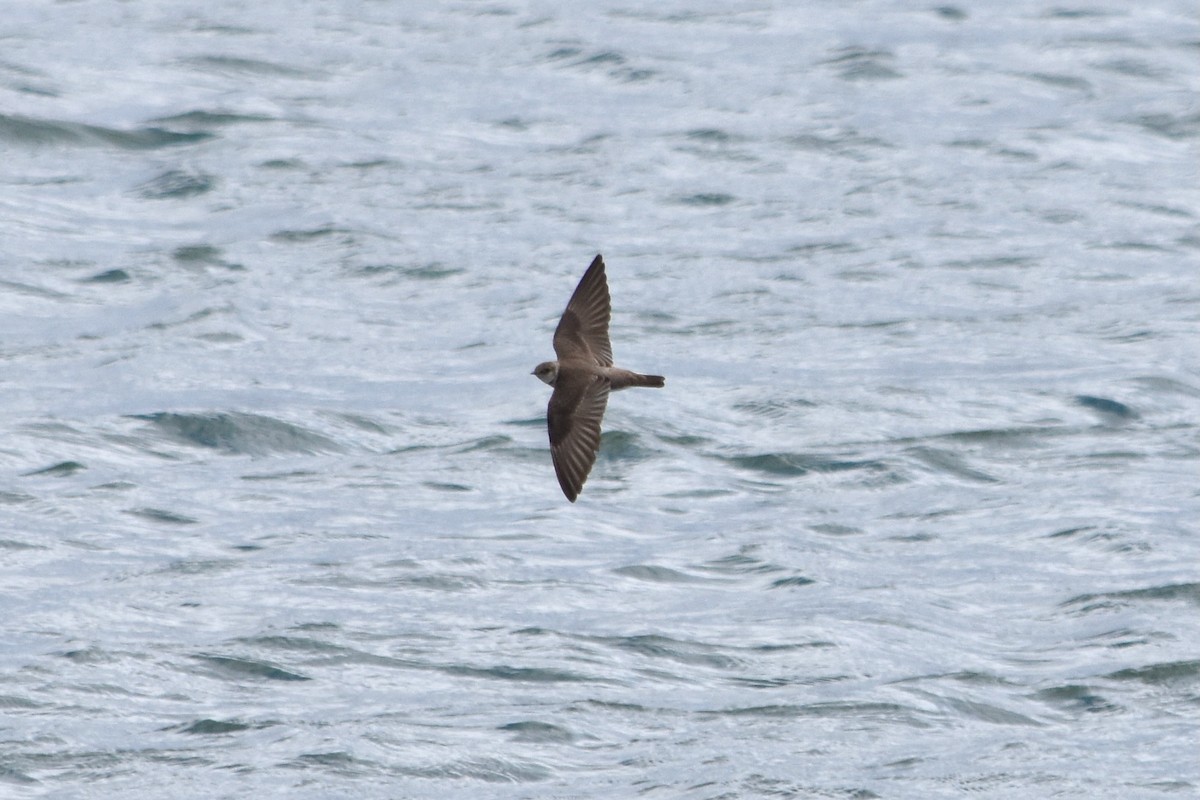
column 915, row 515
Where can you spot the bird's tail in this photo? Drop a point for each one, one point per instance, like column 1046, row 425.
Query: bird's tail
column 623, row 379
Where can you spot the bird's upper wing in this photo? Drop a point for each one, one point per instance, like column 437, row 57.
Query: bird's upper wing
column 573, row 417
column 582, row 333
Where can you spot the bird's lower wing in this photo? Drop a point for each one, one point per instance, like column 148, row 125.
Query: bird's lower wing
column 576, row 409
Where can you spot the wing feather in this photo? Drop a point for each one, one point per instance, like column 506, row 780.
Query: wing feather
column 582, row 332
column 573, row 417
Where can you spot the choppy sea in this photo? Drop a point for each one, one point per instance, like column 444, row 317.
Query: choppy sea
column 917, row 514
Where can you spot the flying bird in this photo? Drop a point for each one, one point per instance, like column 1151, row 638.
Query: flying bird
column 582, row 377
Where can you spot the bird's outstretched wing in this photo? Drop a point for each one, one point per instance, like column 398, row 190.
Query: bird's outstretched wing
column 573, row 417
column 582, row 333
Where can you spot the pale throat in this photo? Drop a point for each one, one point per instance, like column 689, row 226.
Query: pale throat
column 547, row 372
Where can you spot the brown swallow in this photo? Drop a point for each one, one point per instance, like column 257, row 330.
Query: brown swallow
column 582, row 377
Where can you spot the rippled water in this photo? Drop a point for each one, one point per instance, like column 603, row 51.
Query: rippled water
column 916, row 515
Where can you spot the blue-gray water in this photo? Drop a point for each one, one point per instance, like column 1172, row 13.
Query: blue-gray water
column 917, row 514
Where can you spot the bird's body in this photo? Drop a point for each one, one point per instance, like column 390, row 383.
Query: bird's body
column 582, row 378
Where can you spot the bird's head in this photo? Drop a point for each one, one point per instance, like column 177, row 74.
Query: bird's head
column 547, row 372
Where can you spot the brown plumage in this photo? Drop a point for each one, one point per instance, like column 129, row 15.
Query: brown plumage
column 582, row 378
